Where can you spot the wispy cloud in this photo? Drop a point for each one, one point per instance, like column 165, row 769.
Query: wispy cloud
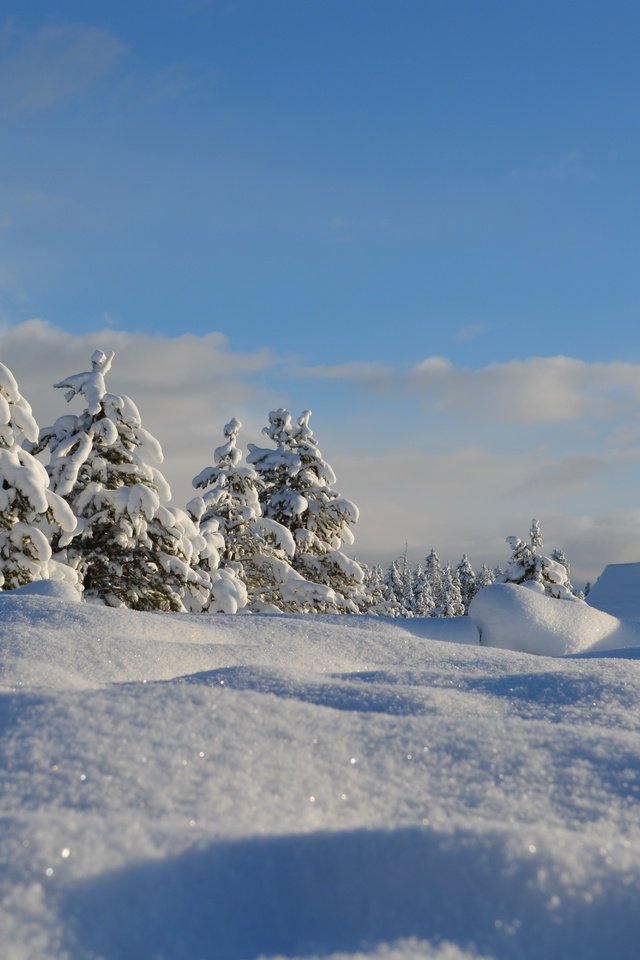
column 471, row 331
column 370, row 375
column 468, row 500
column 40, row 69
column 562, row 474
column 538, row 390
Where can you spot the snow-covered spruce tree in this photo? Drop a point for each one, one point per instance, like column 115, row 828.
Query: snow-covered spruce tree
column 374, row 588
column 451, row 600
column 485, row 577
column 467, row 580
column 433, row 582
column 408, row 587
column 400, row 586
column 30, row 512
column 298, row 493
column 423, row 601
column 558, row 555
column 528, row 566
column 131, row 548
column 221, row 515
column 394, row 589
column 255, row 551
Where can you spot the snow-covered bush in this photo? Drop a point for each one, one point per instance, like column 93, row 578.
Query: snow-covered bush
column 130, row 548
column 528, row 566
column 30, row 512
column 297, row 492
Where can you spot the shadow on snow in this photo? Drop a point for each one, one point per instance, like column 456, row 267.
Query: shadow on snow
column 330, row 892
column 336, row 692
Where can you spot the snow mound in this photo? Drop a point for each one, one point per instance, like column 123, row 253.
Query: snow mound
column 46, row 643
column 55, row 589
column 617, row 591
column 515, row 618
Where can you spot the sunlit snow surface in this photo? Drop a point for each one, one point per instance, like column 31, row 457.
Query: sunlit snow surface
column 189, row 787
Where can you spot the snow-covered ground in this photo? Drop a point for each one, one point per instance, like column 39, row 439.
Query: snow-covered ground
column 194, row 787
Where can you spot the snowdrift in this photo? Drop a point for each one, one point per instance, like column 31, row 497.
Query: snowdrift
column 515, row 617
column 230, row 788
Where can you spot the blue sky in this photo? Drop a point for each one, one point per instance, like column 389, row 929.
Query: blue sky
column 347, row 188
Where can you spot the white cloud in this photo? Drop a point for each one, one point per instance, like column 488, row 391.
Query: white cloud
column 537, row 390
column 470, row 499
column 562, row 474
column 371, row 375
column 54, row 63
column 433, row 365
column 591, row 542
column 427, row 480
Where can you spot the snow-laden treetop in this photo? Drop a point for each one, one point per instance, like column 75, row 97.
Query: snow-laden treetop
column 90, row 383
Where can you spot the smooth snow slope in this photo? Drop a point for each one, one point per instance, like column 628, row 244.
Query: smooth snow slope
column 617, row 591
column 211, row 788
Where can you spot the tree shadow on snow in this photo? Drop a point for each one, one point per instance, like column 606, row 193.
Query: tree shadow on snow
column 323, row 893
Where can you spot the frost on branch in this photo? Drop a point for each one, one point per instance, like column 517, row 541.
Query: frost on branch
column 131, row 548
column 30, row 513
column 297, row 492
